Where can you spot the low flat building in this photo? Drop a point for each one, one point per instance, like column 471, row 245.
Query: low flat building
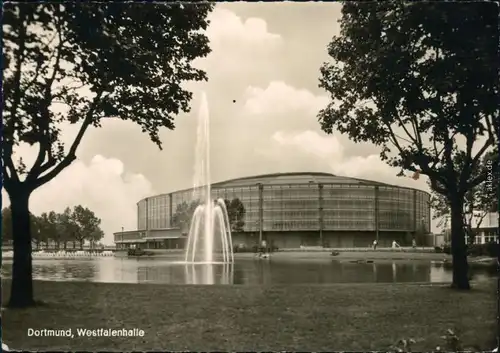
column 166, row 238
column 485, row 229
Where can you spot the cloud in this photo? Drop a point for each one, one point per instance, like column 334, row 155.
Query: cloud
column 307, row 145
column 312, row 143
column 103, row 185
column 228, row 28
column 242, row 47
column 279, row 98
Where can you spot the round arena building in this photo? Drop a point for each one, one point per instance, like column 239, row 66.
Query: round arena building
column 294, row 210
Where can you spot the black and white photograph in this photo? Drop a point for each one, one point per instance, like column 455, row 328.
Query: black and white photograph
column 250, row 176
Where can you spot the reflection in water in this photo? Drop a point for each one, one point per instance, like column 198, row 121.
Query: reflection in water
column 439, row 274
column 209, row 273
column 243, row 271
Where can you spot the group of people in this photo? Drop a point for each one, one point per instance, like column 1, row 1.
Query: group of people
column 395, row 245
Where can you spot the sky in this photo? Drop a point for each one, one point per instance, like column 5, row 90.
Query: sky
column 266, row 57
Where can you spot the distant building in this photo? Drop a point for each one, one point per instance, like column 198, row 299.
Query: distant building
column 485, row 233
column 290, row 210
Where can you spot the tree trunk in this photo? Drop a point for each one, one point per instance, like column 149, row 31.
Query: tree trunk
column 81, row 244
column 458, row 248
column 21, row 293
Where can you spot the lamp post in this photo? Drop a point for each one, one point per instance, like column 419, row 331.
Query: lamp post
column 122, row 245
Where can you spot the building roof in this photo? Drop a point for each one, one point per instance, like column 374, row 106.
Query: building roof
column 290, row 178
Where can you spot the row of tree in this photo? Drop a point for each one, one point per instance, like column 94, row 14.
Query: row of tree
column 73, row 226
column 185, row 210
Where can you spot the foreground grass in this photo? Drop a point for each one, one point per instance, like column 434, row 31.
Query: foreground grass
column 354, row 317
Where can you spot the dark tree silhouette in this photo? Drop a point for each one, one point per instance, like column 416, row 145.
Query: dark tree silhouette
column 85, row 224
column 183, row 215
column 7, row 226
column 48, row 226
column 80, row 63
column 236, row 214
column 421, row 81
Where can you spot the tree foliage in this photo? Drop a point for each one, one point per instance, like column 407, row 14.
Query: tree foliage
column 236, row 214
column 420, row 80
column 79, row 224
column 185, row 211
column 183, row 215
column 81, row 63
column 86, row 225
column 7, row 225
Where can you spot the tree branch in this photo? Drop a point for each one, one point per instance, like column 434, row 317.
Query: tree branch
column 412, row 138
column 467, row 168
column 416, row 129
column 44, row 142
column 478, row 180
column 39, row 64
column 43, row 126
column 480, row 220
column 480, row 153
column 16, row 99
column 9, row 165
column 71, row 156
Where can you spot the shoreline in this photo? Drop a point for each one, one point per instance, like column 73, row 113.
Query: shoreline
column 367, row 255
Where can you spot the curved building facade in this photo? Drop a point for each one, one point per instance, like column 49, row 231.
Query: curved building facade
column 306, row 209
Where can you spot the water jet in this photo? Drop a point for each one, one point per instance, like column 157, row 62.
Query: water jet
column 209, row 224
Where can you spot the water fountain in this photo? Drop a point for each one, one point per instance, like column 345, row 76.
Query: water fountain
column 210, row 222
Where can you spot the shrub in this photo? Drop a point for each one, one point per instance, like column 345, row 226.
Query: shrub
column 475, row 250
column 489, row 249
column 492, row 249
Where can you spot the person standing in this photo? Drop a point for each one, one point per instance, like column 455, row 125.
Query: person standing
column 264, row 246
column 413, row 243
column 375, row 243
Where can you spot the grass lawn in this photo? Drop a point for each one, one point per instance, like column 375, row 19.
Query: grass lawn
column 353, row 317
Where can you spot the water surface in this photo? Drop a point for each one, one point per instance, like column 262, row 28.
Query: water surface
column 242, row 272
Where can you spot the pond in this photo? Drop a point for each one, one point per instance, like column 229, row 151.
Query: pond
column 246, row 271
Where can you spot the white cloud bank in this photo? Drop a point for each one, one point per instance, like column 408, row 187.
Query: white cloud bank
column 279, row 98
column 103, row 185
column 226, row 27
column 241, row 47
column 280, row 102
